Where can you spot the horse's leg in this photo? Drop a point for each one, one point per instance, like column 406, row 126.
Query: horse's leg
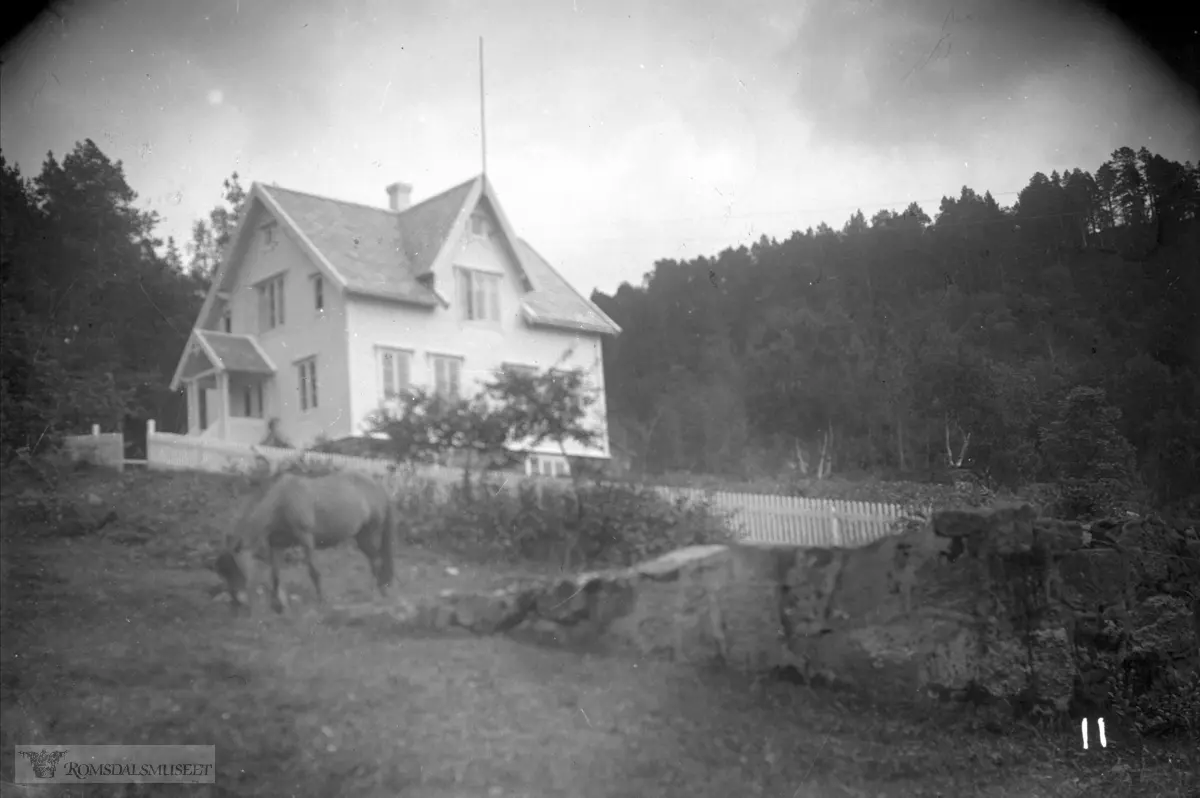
column 278, row 595
column 374, row 560
column 312, row 570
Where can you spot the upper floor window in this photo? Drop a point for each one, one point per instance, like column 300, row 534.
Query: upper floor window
column 318, row 292
column 479, row 293
column 227, row 321
column 307, row 373
column 270, row 304
column 395, row 368
column 270, row 233
column 447, row 376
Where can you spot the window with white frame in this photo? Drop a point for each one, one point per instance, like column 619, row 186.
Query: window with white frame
column 447, row 375
column 547, row 466
column 270, row 303
column 395, row 372
column 318, row 284
column 479, row 293
column 307, row 374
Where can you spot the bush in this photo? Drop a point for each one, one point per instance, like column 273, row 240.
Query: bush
column 603, row 525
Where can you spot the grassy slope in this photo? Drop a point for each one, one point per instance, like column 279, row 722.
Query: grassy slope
column 114, row 639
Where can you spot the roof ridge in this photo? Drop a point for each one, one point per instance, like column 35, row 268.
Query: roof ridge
column 439, row 195
column 327, row 198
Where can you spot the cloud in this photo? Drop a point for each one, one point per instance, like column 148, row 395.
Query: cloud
column 919, row 71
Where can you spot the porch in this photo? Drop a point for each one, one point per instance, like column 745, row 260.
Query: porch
column 230, row 385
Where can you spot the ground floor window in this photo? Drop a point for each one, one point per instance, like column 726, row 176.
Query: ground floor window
column 547, row 466
column 307, row 369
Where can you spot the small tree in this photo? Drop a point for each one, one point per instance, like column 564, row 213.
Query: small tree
column 548, row 406
column 1087, row 454
column 515, row 407
column 426, row 427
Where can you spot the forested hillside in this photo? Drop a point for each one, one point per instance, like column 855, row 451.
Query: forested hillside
column 1056, row 339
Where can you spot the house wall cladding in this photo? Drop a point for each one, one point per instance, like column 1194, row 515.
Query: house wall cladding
column 305, row 332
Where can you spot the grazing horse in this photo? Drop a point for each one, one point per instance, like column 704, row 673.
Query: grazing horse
column 313, row 513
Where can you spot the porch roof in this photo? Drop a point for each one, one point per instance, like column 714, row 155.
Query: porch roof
column 230, row 352
column 222, row 352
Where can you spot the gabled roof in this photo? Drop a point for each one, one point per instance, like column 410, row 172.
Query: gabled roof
column 380, row 253
column 226, row 352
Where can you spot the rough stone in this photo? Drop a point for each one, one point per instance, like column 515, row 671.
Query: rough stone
column 977, row 606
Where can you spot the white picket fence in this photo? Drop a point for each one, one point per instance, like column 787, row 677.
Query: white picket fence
column 101, row 448
column 755, row 518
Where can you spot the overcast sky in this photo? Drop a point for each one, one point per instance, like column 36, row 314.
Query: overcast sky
column 618, row 132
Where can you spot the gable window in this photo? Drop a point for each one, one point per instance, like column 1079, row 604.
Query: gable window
column 480, row 226
column 479, row 293
column 447, row 376
column 270, row 304
column 395, row 369
column 307, row 369
column 269, row 232
column 318, row 292
column 227, row 321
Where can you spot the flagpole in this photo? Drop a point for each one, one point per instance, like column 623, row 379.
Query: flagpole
column 482, row 121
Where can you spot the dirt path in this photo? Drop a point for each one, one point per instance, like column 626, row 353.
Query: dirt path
column 106, row 643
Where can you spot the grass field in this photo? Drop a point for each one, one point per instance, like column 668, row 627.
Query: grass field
column 114, row 638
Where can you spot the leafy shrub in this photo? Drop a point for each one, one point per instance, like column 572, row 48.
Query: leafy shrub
column 602, row 525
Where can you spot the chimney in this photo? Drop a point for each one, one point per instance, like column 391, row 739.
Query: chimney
column 399, row 195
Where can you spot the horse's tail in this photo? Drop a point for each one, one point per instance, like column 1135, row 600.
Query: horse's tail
column 387, row 568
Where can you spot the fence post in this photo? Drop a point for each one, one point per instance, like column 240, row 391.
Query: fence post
column 837, row 529
column 95, row 430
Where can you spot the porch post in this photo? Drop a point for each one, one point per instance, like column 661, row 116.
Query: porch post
column 223, row 389
column 193, row 408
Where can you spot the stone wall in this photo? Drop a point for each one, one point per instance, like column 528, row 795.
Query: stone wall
column 978, row 605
